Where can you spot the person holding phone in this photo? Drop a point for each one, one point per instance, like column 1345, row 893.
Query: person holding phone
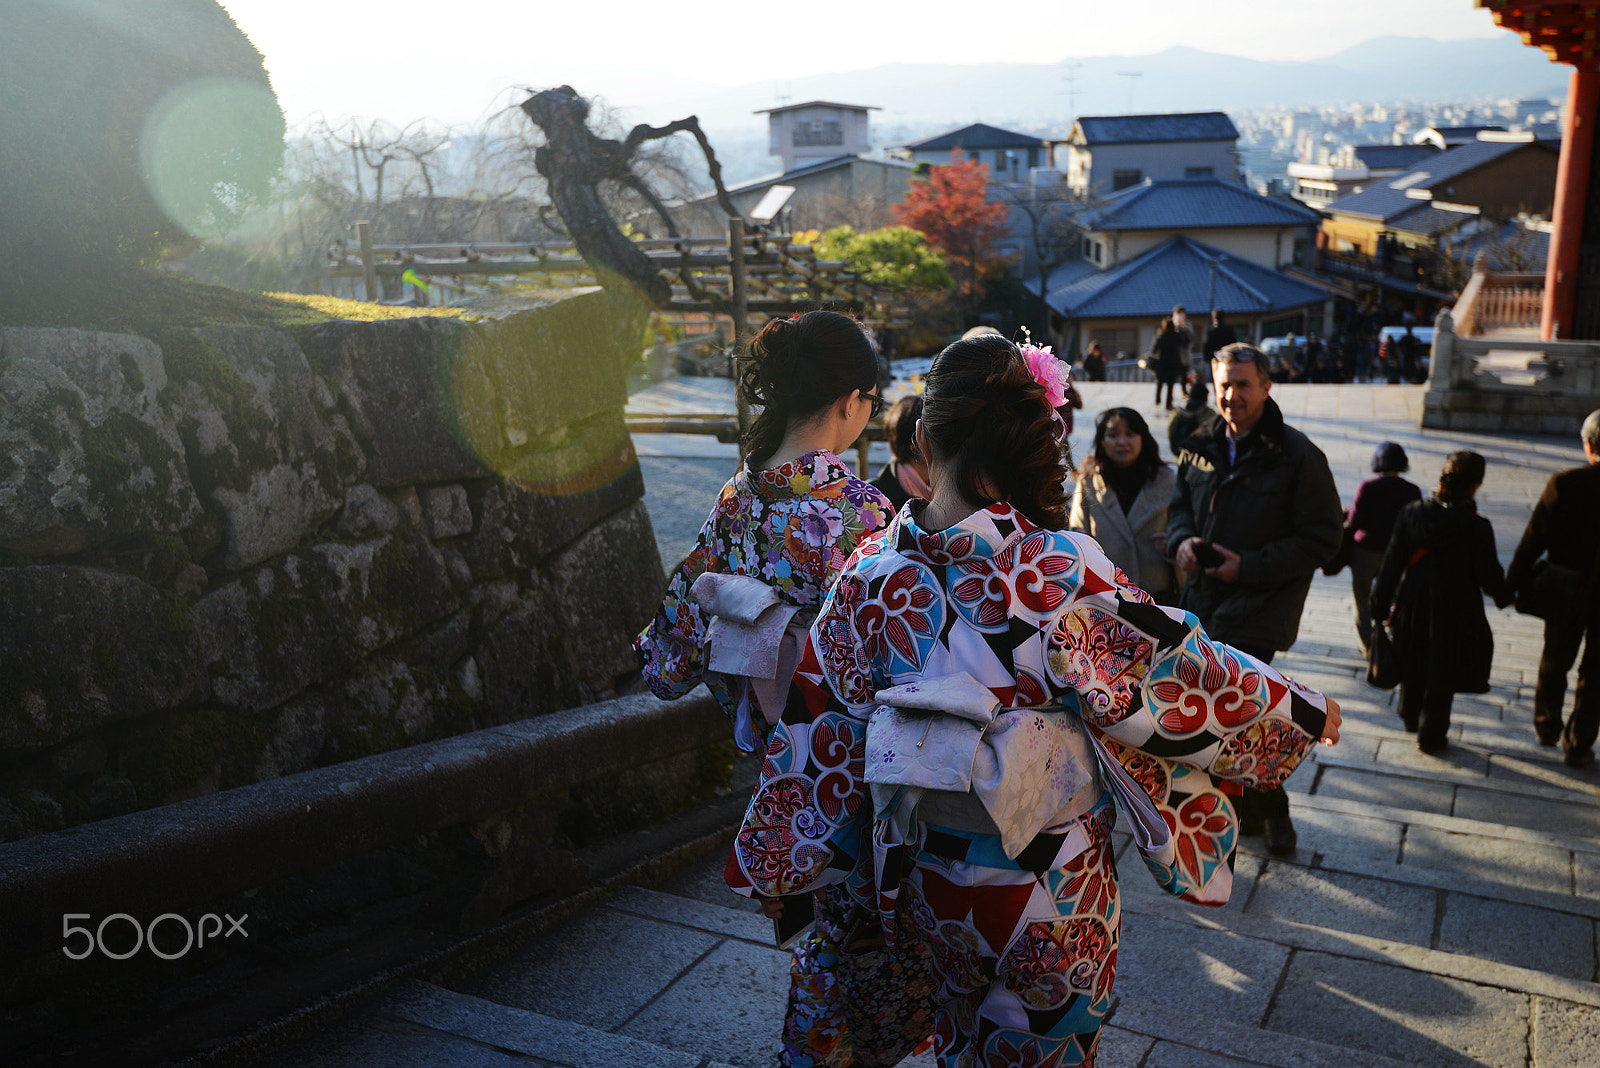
column 1255, row 514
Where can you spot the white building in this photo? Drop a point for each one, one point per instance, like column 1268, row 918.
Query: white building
column 817, row 130
column 1113, row 152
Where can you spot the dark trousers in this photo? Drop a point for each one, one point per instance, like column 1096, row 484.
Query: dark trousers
column 1561, row 641
column 1262, row 804
column 1423, row 708
column 1163, row 380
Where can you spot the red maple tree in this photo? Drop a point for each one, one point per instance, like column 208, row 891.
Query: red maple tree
column 952, row 210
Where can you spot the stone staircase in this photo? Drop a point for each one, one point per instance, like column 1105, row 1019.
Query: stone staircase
column 1438, row 912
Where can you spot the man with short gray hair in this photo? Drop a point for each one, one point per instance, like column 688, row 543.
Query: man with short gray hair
column 1254, row 515
column 1565, row 526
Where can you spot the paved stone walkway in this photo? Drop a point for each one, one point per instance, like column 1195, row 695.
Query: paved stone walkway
column 1438, row 912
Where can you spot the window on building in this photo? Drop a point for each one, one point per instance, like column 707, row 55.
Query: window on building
column 1125, row 179
column 974, row 156
column 818, row 132
column 1199, row 172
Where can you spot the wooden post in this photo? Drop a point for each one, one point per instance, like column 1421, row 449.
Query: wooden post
column 741, row 313
column 368, row 264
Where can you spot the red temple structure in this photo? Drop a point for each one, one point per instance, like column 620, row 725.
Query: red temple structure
column 1568, row 31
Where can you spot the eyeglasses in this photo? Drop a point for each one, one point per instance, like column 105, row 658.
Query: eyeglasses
column 876, row 401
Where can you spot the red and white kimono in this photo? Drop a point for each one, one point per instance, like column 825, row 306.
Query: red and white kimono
column 1022, row 941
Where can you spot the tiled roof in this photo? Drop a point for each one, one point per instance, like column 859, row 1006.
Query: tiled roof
column 1386, row 199
column 1129, row 129
column 1383, row 157
column 817, row 104
column 815, row 168
column 978, row 135
column 1427, row 219
column 1179, row 272
column 1195, row 204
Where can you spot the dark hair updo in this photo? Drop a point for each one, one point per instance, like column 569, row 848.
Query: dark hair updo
column 990, row 422
column 1462, row 474
column 797, row 367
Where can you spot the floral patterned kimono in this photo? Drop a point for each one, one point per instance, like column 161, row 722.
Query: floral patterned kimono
column 1023, row 941
column 792, row 527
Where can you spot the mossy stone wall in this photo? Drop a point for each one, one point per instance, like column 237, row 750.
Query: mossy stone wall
column 229, row 554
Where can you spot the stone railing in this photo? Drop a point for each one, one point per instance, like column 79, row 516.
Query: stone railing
column 1512, row 381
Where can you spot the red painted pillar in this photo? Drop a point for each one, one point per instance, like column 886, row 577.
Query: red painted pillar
column 1572, row 195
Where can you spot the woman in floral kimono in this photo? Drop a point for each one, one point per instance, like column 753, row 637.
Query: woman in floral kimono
column 1015, row 683
column 792, row 514
column 785, row 524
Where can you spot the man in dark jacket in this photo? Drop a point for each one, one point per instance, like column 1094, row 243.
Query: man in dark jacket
column 1563, row 527
column 1255, row 514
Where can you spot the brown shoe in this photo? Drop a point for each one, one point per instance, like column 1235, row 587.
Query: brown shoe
column 1281, row 838
column 1579, row 758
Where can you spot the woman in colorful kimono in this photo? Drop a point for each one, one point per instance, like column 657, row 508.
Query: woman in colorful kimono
column 736, row 611
column 790, row 516
column 1015, row 682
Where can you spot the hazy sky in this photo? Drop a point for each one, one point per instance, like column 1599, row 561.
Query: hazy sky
column 452, row 60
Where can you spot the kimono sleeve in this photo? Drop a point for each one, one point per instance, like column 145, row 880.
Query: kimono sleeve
column 669, row 648
column 805, row 826
column 1149, row 678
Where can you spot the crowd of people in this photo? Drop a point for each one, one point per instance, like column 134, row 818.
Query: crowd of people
column 961, row 672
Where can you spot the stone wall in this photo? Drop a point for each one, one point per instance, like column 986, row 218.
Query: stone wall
column 231, row 554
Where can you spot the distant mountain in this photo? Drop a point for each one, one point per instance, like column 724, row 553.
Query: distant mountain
column 1039, row 98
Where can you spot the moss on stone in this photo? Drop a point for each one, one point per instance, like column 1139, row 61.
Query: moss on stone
column 174, row 614
column 189, row 357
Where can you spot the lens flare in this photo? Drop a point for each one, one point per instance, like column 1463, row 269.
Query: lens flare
column 209, row 149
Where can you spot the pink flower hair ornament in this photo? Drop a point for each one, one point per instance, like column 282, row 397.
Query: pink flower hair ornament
column 1051, row 373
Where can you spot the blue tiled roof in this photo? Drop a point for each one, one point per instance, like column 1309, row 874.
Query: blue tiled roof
column 1387, row 199
column 1179, row 272
column 978, row 135
column 1427, row 219
column 1130, row 129
column 1195, row 204
column 1383, row 157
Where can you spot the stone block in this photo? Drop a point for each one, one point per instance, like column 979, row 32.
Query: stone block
column 276, row 631
column 367, row 513
column 447, row 511
column 613, row 565
column 396, row 379
column 519, row 528
column 81, row 647
column 88, row 453
column 268, row 451
column 523, row 660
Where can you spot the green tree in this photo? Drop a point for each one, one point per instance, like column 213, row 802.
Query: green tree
column 894, row 257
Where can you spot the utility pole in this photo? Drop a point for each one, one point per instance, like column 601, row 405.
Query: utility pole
column 1072, row 66
column 1130, row 75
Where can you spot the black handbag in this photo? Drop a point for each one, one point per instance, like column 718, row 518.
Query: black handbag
column 1383, row 660
column 1551, row 592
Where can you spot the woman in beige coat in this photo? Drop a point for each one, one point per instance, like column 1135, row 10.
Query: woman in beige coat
column 1121, row 501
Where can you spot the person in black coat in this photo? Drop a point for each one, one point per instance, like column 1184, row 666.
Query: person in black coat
column 1439, row 564
column 1171, row 358
column 1562, row 528
column 1219, row 335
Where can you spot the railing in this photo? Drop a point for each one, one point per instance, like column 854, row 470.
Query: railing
column 1128, row 371
column 1508, row 383
column 1498, row 300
